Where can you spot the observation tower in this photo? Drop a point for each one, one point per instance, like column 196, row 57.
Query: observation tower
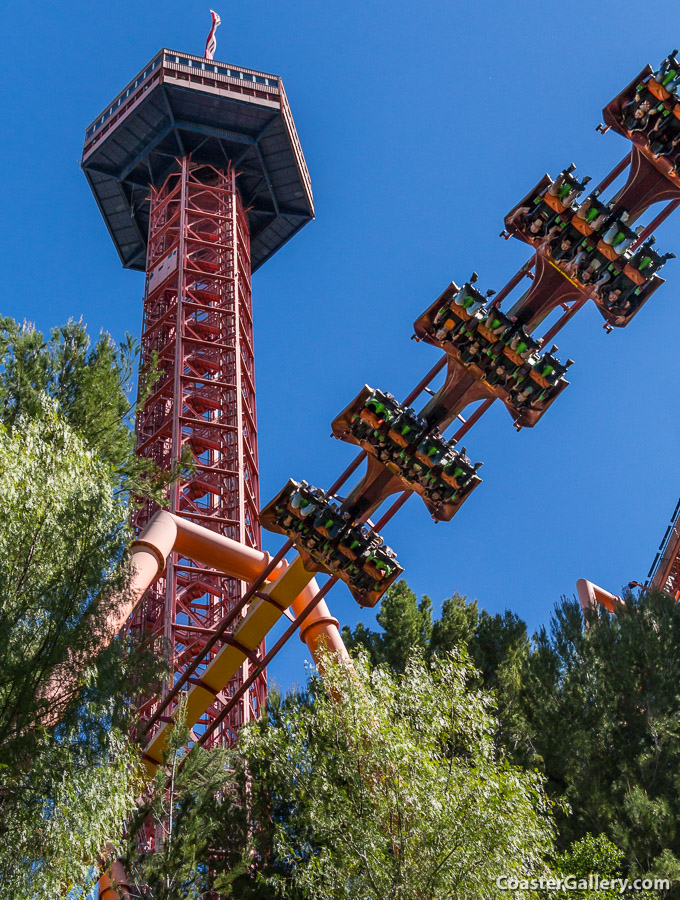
column 198, row 172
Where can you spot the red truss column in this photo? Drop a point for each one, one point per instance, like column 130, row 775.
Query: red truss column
column 198, row 326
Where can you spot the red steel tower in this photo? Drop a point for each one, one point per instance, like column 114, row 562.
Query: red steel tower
column 198, row 172
column 664, row 573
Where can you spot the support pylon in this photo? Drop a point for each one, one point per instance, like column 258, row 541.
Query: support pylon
column 198, row 328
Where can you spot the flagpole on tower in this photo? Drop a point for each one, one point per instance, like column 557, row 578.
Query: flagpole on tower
column 211, row 43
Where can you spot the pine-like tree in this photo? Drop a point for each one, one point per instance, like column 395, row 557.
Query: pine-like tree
column 603, row 712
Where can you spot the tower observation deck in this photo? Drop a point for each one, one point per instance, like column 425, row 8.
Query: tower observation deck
column 198, row 172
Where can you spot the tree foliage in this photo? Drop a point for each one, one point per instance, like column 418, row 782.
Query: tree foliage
column 594, row 706
column 180, row 842
column 592, row 855
column 498, row 645
column 90, row 387
column 372, row 785
column 66, row 473
column 602, row 710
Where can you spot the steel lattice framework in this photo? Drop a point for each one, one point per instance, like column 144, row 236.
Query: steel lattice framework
column 198, row 172
column 198, row 328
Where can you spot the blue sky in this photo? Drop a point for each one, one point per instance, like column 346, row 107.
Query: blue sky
column 422, row 125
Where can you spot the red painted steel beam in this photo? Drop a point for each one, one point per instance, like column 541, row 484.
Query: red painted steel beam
column 198, row 322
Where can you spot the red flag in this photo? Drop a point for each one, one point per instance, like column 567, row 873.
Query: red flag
column 211, row 43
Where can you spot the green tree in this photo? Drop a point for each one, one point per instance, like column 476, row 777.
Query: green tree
column 406, row 626
column 498, row 645
column 372, row 785
column 67, row 471
column 90, row 386
column 603, row 711
column 591, row 856
column 594, row 707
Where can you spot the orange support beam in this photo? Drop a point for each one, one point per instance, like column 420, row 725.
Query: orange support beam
column 591, row 596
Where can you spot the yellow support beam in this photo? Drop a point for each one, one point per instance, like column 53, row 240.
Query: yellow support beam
column 249, row 634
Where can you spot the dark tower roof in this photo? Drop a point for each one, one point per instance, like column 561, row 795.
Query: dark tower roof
column 179, row 105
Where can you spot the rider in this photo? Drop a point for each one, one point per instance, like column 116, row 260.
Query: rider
column 584, row 266
column 469, row 298
column 566, row 188
column 619, row 236
column 637, row 113
column 648, row 261
column 540, row 217
column 663, row 135
column 668, row 72
column 564, row 247
column 590, row 208
column 522, row 344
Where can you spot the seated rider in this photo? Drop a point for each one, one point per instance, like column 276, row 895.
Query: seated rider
column 585, row 265
column 471, row 345
column 306, row 505
column 558, row 197
column 592, row 214
column 526, row 393
column 566, row 188
column 459, row 470
column 329, row 523
column 647, row 261
column 638, row 113
column 612, row 297
column 432, row 449
column 502, row 373
column 664, row 136
column 590, row 207
column 619, row 294
column 467, row 299
column 406, row 428
column 564, row 246
column 670, row 148
column 668, row 73
column 496, row 322
column 522, row 344
column 378, row 409
column 550, row 368
column 619, row 236
column 603, row 283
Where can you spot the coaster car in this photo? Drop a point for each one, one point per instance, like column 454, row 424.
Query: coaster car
column 574, row 247
column 635, row 113
column 328, row 541
column 624, row 295
column 410, row 449
column 500, row 353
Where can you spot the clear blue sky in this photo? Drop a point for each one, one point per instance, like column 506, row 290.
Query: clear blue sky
column 422, row 125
